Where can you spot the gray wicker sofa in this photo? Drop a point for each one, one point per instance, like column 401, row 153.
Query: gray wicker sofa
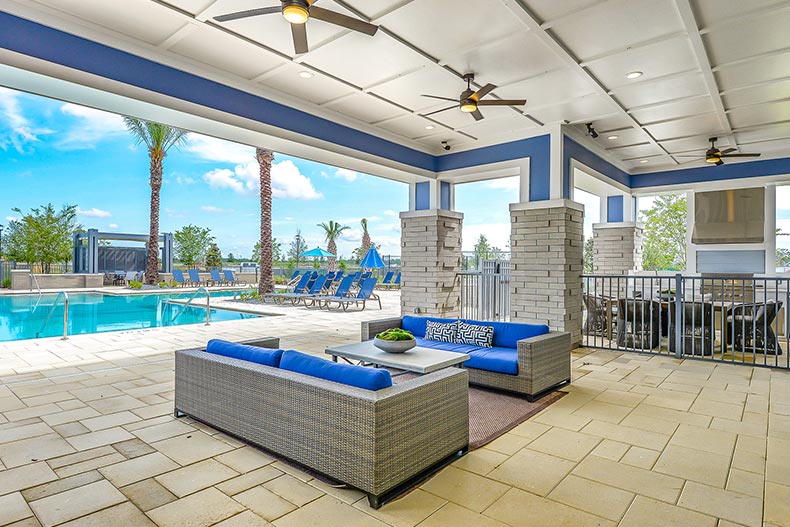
column 377, row 441
column 544, row 361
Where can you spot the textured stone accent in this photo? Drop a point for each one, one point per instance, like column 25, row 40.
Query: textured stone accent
column 617, row 248
column 430, row 259
column 546, row 265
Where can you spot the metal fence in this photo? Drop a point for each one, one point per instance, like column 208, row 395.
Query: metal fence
column 7, row 266
column 485, row 294
column 735, row 319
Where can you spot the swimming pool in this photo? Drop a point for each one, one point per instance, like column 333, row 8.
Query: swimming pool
column 25, row 316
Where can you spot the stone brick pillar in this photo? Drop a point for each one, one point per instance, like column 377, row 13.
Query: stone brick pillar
column 430, row 259
column 617, row 247
column 546, row 265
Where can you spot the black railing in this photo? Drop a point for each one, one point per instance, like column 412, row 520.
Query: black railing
column 7, row 266
column 722, row 318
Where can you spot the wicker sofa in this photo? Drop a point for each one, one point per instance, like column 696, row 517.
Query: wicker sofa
column 543, row 361
column 377, row 441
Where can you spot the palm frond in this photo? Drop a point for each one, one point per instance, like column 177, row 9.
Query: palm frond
column 158, row 138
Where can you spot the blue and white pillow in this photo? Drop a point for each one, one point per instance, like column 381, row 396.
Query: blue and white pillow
column 475, row 335
column 441, row 331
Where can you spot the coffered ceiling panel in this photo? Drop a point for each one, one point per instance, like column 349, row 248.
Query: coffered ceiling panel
column 760, row 114
column 749, row 37
column 673, row 109
column 757, row 94
column 364, row 107
column 709, row 12
column 407, row 90
column 754, row 71
column 319, row 89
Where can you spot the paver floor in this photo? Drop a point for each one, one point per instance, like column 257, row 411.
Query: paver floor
column 87, row 438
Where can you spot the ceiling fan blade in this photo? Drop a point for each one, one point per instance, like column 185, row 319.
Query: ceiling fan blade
column 440, row 98
column 719, row 162
column 299, row 34
column 338, row 19
column 477, row 115
column 741, row 155
column 439, row 111
column 697, row 156
column 248, row 13
column 728, row 150
column 502, row 102
column 482, row 92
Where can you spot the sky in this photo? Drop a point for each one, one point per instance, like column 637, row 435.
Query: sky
column 72, row 155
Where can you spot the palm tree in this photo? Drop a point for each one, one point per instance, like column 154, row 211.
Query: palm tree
column 365, row 237
column 265, row 280
column 158, row 139
column 333, row 230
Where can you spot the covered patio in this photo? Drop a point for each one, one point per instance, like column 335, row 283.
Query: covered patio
column 616, row 98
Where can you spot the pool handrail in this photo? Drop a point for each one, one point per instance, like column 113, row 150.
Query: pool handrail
column 189, row 301
column 65, row 296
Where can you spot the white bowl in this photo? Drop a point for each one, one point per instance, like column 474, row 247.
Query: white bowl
column 394, row 346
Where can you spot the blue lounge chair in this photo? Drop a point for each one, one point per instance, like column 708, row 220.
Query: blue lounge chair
column 341, row 292
column 194, row 278
column 296, row 298
column 395, row 284
column 216, row 279
column 365, row 294
column 293, row 276
column 338, row 276
column 178, row 276
column 231, row 279
column 300, row 287
column 387, row 280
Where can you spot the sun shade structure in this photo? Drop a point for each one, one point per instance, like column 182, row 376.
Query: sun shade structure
column 372, row 259
column 317, row 253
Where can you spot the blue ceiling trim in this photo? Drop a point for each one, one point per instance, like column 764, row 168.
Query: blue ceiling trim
column 536, row 148
column 52, row 45
column 767, row 167
column 573, row 150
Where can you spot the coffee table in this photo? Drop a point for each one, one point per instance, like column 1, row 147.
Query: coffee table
column 417, row 360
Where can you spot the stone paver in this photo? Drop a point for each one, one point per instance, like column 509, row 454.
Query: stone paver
column 87, row 438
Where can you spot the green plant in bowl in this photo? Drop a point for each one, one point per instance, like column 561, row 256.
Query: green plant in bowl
column 395, row 334
column 395, row 340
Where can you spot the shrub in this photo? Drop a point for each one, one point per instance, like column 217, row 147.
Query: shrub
column 251, row 295
column 135, row 285
column 6, row 283
column 280, row 280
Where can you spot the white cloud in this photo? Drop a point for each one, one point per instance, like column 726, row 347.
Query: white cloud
column 11, row 218
column 185, row 180
column 216, row 210
column 113, row 226
column 506, row 183
column 498, row 235
column 390, row 213
column 94, row 213
column 348, row 175
column 287, row 181
column 213, row 149
column 92, row 127
column 20, row 131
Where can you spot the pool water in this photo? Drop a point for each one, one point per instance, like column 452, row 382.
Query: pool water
column 25, row 316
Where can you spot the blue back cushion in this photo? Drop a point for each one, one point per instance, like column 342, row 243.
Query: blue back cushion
column 507, row 334
column 265, row 356
column 417, row 324
column 359, row 376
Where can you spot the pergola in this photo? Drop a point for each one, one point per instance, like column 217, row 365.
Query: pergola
column 655, row 78
column 87, row 249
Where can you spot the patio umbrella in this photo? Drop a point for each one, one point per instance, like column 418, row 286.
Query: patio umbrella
column 317, row 253
column 372, row 259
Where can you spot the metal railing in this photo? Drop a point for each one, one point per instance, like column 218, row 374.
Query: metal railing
column 65, row 297
column 484, row 295
column 189, row 301
column 737, row 319
column 34, row 280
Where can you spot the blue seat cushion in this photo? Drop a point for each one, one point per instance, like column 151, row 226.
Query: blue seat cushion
column 507, row 334
column 417, row 325
column 265, row 356
column 500, row 360
column 359, row 376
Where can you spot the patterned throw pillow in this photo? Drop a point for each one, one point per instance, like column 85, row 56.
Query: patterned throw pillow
column 475, row 335
column 441, row 331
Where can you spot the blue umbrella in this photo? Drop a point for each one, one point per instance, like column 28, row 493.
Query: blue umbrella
column 317, row 253
column 372, row 259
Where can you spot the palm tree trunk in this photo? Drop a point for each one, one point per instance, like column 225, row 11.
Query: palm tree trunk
column 266, row 281
column 152, row 267
column 331, row 261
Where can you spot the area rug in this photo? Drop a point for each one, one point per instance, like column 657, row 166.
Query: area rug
column 493, row 413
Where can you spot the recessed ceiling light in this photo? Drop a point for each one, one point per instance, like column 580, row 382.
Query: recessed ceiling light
column 613, row 137
column 633, row 74
column 306, row 75
column 429, row 127
column 643, row 161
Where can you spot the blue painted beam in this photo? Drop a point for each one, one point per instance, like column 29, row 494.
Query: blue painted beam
column 614, row 209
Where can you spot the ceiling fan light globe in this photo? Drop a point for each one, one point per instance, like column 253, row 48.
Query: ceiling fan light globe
column 712, row 159
column 468, row 106
column 295, row 14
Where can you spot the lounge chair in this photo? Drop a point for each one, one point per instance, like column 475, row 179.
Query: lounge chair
column 178, row 276
column 395, row 284
column 340, row 293
column 295, row 298
column 216, row 279
column 387, row 280
column 751, row 325
column 131, row 276
column 365, row 294
column 194, row 278
column 230, row 279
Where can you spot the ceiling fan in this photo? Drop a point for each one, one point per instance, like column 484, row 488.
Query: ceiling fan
column 714, row 156
column 297, row 12
column 469, row 100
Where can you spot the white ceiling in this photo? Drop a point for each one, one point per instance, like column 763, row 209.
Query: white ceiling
column 711, row 67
